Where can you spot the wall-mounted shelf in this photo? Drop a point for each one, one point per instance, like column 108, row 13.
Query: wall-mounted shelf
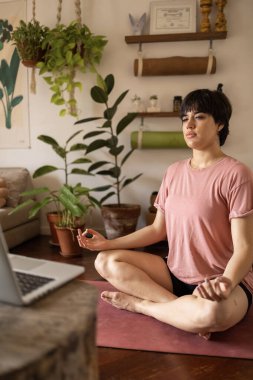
column 199, row 36
column 157, row 114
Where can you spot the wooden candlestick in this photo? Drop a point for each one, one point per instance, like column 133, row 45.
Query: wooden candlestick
column 206, row 6
column 220, row 22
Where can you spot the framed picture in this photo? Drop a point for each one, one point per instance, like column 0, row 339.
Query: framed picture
column 173, row 16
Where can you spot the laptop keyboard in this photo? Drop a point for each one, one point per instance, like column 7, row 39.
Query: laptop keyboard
column 29, row 282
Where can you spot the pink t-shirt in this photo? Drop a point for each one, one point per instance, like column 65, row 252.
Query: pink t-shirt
column 198, row 205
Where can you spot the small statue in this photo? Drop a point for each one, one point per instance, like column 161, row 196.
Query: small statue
column 137, row 105
column 154, row 106
column 220, row 22
column 138, row 25
column 205, row 6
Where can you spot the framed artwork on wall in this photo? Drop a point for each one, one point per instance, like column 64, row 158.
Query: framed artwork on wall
column 172, row 16
column 14, row 110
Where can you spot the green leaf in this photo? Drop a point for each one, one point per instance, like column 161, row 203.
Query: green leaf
column 120, row 98
column 97, row 165
column 81, row 161
column 77, row 147
column 87, row 120
column 123, row 123
column 6, row 77
column 96, row 145
column 102, row 188
column 130, row 180
column 47, row 140
column 109, row 113
column 109, row 81
column 44, row 170
column 98, row 95
column 127, row 156
column 14, row 66
column 74, row 135
column 63, row 112
column 92, row 134
column 107, row 196
column 80, row 171
column 115, row 151
column 15, row 101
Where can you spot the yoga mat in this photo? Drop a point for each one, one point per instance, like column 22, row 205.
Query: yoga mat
column 175, row 66
column 157, row 140
column 122, row 329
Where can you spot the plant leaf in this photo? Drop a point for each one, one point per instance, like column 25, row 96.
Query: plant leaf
column 125, row 121
column 98, row 95
column 130, row 180
column 97, row 144
column 127, row 156
column 97, row 165
column 44, row 170
column 109, row 81
column 87, row 120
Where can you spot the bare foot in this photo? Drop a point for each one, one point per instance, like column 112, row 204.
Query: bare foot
column 121, row 300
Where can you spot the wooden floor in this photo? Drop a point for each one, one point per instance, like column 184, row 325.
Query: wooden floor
column 119, row 364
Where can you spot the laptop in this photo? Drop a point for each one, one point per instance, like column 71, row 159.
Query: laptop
column 23, row 279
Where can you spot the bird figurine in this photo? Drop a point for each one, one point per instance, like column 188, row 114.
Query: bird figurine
column 138, row 25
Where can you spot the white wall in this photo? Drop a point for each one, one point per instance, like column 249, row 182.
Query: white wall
column 110, row 18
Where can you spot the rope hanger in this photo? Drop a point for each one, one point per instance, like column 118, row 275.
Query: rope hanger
column 33, row 78
column 77, row 4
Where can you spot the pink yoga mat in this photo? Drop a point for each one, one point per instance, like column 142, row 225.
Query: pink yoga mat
column 122, row 329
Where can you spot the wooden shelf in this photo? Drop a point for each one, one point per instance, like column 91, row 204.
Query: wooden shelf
column 199, row 36
column 158, row 114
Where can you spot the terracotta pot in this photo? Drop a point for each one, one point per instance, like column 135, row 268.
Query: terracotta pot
column 120, row 220
column 67, row 238
column 53, row 218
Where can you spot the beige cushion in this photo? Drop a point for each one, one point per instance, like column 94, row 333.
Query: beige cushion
column 17, row 180
column 4, row 192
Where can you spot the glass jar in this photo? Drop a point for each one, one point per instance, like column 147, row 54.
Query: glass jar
column 177, row 101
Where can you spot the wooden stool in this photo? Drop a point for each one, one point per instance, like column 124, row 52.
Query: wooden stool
column 53, row 339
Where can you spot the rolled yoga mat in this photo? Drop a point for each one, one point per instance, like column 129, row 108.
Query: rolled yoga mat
column 175, row 66
column 157, row 140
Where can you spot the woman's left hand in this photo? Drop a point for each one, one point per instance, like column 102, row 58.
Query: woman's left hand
column 216, row 289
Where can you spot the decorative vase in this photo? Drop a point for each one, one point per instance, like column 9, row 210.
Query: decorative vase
column 120, row 220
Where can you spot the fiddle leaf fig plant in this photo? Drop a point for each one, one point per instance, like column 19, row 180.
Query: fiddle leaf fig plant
column 69, row 48
column 107, row 136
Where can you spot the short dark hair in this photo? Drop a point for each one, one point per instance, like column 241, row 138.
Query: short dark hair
column 214, row 103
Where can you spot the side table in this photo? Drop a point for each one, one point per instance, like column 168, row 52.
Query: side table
column 53, row 339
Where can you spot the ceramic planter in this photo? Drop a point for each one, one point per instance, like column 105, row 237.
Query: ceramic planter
column 120, row 220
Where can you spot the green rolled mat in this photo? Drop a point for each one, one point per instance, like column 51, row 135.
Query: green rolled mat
column 157, row 140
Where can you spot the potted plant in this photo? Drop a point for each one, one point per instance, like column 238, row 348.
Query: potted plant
column 117, row 220
column 69, row 48
column 73, row 211
column 28, row 38
column 69, row 168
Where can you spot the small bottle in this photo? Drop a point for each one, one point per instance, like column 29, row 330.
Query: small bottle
column 177, row 101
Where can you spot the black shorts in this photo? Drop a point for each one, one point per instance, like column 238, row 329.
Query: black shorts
column 180, row 288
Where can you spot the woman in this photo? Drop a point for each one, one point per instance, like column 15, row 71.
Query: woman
column 205, row 209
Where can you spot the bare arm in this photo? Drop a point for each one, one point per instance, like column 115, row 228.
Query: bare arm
column 239, row 264
column 145, row 236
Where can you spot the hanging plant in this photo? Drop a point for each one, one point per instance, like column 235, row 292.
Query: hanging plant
column 69, row 49
column 28, row 38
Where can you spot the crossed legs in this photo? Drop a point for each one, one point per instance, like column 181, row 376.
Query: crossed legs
column 144, row 286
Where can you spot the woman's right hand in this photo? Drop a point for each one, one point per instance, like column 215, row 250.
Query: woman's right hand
column 95, row 243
